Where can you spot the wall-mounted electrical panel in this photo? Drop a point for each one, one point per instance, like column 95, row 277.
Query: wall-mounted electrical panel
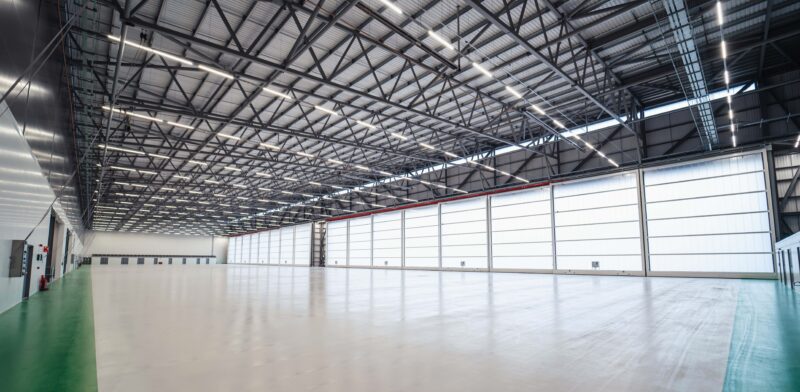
column 19, row 259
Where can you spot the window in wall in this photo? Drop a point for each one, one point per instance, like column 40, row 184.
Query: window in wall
column 464, row 240
column 422, row 237
column 263, row 247
column 522, row 235
column 302, row 245
column 597, row 224
column 360, row 242
column 386, row 239
column 275, row 246
column 287, row 245
column 336, row 243
column 709, row 216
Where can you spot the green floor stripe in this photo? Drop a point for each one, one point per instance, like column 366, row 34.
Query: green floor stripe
column 765, row 346
column 47, row 342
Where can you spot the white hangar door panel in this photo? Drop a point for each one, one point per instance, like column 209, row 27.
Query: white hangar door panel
column 387, row 244
column 254, row 248
column 275, row 246
column 232, row 250
column 597, row 220
column 246, row 249
column 302, row 245
column 336, row 243
column 360, row 242
column 287, row 245
column 522, row 235
column 710, row 216
column 421, row 228
column 464, row 239
column 263, row 247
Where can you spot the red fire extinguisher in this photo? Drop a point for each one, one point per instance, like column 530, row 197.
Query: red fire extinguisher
column 42, row 283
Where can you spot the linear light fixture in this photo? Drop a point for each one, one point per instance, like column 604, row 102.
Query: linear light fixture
column 144, row 117
column 270, row 146
column 720, row 19
column 151, row 50
column 513, row 92
column 428, row 146
column 450, row 154
column 232, row 168
column 273, row 92
column 211, row 182
column 392, row 6
column 305, row 154
column 438, row 38
column 215, row 71
column 724, row 49
column 120, row 149
column 336, row 161
column 322, row 109
column 399, row 136
column 179, row 125
column 181, row 177
column 559, row 124
column 158, row 156
column 365, row 124
column 229, row 136
column 538, row 110
column 483, row 70
column 198, row 162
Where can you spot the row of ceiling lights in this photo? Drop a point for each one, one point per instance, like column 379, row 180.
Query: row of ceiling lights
column 489, row 74
column 726, row 74
column 288, row 97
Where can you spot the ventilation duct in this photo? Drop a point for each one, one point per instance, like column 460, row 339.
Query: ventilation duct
column 682, row 31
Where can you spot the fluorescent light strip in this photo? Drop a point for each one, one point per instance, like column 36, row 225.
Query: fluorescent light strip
column 322, row 109
column 724, row 49
column 120, row 149
column 158, row 156
column 720, row 19
column 513, row 92
column 198, row 162
column 232, row 168
column 365, row 124
column 428, row 146
column 151, row 50
column 392, row 6
column 229, row 136
column 483, row 70
column 399, row 136
column 273, row 92
column 559, row 124
column 270, row 146
column 538, row 110
column 211, row 182
column 215, row 71
column 438, row 38
column 144, row 117
column 179, row 125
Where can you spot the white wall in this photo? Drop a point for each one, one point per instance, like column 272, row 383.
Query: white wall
column 102, row 242
column 25, row 199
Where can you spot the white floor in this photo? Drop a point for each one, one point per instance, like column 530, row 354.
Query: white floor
column 259, row 328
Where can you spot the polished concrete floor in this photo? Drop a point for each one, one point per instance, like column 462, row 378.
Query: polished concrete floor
column 248, row 328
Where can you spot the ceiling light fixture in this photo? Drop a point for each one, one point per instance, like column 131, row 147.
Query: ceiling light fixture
column 273, row 92
column 438, row 38
column 482, row 70
column 215, row 71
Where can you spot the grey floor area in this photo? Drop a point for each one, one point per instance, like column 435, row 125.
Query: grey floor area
column 249, row 328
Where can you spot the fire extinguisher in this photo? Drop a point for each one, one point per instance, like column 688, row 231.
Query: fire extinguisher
column 42, row 283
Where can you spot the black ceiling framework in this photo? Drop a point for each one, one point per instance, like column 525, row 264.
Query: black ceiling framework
column 584, row 61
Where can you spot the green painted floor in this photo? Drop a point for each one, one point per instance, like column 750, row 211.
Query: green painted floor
column 765, row 346
column 47, row 342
